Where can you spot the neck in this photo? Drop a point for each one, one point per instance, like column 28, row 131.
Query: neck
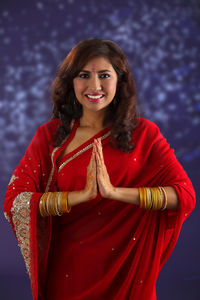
column 92, row 119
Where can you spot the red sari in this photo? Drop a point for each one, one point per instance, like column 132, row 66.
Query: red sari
column 103, row 249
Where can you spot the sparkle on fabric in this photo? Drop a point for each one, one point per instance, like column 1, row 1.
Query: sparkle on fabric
column 12, row 179
column 21, row 219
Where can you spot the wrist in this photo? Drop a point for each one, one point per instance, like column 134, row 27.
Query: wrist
column 114, row 194
column 130, row 195
column 76, row 197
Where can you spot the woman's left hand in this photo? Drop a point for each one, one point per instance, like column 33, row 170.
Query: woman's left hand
column 106, row 189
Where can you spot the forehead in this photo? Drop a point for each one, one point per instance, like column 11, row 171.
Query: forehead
column 98, row 63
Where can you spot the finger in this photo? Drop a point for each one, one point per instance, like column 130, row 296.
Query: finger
column 90, row 165
column 91, row 159
column 98, row 158
column 100, row 162
column 100, row 151
column 99, row 144
column 94, row 164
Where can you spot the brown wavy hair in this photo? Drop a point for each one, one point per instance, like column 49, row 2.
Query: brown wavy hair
column 122, row 112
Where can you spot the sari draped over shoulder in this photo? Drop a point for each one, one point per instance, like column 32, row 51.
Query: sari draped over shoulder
column 103, row 249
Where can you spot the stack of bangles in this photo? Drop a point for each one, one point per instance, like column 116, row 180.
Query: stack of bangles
column 153, row 198
column 54, row 204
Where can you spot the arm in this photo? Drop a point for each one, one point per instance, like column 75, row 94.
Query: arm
column 164, row 168
column 21, row 204
column 131, row 195
column 57, row 203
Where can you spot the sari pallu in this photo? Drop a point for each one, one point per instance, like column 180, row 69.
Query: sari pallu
column 151, row 163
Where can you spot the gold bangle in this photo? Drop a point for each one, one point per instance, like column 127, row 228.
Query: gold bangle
column 154, row 198
column 52, row 201
column 60, row 203
column 42, row 205
column 141, row 197
column 64, row 202
column 148, row 191
column 145, row 197
column 164, row 206
column 68, row 206
column 48, row 204
column 161, row 196
column 57, row 206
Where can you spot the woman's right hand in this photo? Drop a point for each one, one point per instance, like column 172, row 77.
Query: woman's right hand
column 90, row 189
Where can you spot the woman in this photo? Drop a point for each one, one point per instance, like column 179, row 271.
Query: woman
column 99, row 198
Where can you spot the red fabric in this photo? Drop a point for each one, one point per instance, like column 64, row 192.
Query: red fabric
column 103, row 249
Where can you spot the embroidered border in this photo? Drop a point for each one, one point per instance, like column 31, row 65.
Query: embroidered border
column 52, row 157
column 81, row 151
column 7, row 217
column 21, row 219
column 12, row 179
column 52, row 170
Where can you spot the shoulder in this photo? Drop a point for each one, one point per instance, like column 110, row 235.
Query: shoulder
column 146, row 133
column 49, row 128
column 50, row 125
column 147, row 127
column 46, row 132
column 146, row 124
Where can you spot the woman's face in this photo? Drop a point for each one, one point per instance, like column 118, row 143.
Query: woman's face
column 95, row 85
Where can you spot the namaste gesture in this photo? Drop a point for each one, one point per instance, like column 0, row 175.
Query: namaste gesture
column 97, row 175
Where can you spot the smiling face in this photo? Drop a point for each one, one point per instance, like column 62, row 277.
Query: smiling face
column 95, row 85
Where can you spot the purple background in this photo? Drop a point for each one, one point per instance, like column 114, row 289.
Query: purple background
column 161, row 40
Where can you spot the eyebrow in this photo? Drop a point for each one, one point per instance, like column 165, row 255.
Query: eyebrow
column 101, row 71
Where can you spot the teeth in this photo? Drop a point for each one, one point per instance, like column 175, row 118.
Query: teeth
column 95, row 97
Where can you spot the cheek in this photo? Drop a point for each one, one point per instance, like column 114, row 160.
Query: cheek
column 78, row 86
column 112, row 86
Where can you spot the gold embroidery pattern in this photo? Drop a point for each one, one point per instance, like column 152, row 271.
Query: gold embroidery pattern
column 52, row 156
column 21, row 219
column 7, row 217
column 52, row 170
column 81, row 151
column 12, row 179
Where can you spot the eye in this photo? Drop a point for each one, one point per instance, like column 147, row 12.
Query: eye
column 105, row 75
column 83, row 75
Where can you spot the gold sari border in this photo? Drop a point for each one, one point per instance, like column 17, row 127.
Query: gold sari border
column 81, row 151
column 7, row 217
column 12, row 179
column 52, row 158
column 21, row 220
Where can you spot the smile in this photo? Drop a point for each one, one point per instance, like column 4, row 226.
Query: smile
column 94, row 98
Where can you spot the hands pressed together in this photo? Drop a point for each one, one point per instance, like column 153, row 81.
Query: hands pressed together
column 97, row 175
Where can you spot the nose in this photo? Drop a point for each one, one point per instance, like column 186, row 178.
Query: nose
column 95, row 83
